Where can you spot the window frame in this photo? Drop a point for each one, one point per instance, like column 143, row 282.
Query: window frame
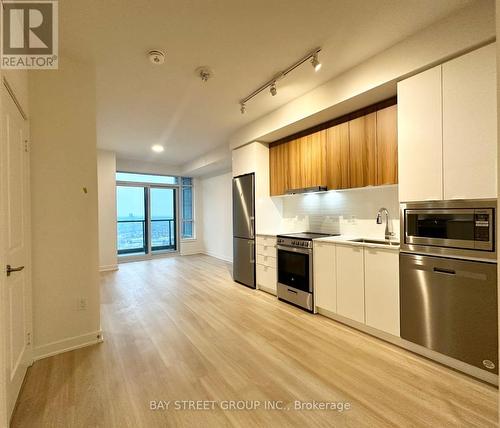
column 179, row 186
column 193, row 210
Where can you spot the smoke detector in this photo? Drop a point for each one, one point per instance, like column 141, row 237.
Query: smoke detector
column 204, row 73
column 156, row 57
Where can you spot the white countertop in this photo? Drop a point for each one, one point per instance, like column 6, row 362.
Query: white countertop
column 347, row 240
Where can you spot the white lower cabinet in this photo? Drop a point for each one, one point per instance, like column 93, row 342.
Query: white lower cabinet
column 358, row 283
column 325, row 282
column 266, row 278
column 265, row 268
column 382, row 289
column 350, row 282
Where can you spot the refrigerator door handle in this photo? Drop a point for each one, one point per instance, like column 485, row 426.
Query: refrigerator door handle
column 252, row 252
column 252, row 227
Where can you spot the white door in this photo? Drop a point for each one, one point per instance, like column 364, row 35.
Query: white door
column 470, row 125
column 350, row 282
column 420, row 143
column 15, row 289
column 325, row 281
column 382, row 289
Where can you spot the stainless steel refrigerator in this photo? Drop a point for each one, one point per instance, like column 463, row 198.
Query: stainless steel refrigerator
column 244, row 229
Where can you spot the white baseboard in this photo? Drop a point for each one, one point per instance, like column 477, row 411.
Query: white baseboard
column 191, row 252
column 68, row 344
column 218, row 256
column 108, row 268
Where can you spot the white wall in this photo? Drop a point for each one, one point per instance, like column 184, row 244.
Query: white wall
column 64, row 216
column 216, row 219
column 468, row 28
column 106, row 180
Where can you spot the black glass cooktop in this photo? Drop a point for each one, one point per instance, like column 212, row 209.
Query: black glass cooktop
column 307, row 235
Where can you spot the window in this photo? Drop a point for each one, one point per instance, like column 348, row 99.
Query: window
column 132, row 220
column 147, row 207
column 146, row 178
column 187, row 208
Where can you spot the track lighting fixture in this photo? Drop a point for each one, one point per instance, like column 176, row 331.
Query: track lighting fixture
column 271, row 84
column 315, row 62
column 273, row 89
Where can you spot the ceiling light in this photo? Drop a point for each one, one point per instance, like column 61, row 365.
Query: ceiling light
column 271, row 84
column 157, row 148
column 273, row 89
column 156, row 57
column 315, row 62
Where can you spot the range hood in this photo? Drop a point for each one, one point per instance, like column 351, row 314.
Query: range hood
column 307, row 190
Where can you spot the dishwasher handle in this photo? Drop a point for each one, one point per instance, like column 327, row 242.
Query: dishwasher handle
column 444, row 271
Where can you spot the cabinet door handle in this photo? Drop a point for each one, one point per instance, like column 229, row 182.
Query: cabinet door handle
column 9, row 269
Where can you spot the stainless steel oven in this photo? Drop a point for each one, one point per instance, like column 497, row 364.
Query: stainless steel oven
column 295, row 268
column 462, row 228
column 295, row 283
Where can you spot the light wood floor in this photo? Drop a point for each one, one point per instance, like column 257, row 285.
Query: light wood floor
column 180, row 329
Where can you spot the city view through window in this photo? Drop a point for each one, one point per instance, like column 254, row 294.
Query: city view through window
column 132, row 233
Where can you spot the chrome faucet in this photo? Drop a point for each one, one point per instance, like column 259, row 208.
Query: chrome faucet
column 388, row 224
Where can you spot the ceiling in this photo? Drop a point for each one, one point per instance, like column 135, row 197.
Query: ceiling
column 245, row 42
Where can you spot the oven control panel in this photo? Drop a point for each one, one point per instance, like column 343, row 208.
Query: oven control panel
column 290, row 242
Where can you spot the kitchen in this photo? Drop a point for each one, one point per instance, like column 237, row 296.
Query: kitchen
column 266, row 216
column 385, row 217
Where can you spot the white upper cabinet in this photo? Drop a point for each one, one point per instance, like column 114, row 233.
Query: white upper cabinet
column 447, row 130
column 382, row 289
column 325, row 282
column 470, row 125
column 420, row 137
column 350, row 282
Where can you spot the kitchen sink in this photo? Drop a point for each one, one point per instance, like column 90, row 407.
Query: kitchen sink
column 375, row 241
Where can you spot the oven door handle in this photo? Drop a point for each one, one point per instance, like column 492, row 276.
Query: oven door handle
column 307, row 251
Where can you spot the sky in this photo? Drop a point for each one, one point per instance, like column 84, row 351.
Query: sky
column 130, row 202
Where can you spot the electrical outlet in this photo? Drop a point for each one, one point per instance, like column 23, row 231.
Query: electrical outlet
column 82, row 304
column 28, row 339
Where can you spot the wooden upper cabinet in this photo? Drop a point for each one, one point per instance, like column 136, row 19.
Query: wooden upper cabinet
column 363, row 151
column 387, row 146
column 337, row 156
column 357, row 153
column 278, row 166
column 307, row 161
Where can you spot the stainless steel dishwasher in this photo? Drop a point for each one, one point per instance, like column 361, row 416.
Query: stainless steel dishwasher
column 448, row 279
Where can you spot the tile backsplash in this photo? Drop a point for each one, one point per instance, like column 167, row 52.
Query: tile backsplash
column 349, row 212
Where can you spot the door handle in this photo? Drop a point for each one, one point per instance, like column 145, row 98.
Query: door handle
column 9, row 269
column 252, row 254
column 445, row 271
column 252, row 226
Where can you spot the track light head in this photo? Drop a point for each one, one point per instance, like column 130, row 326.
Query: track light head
column 315, row 62
column 273, row 89
column 243, row 108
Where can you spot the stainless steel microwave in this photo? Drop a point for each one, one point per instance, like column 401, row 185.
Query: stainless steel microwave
column 461, row 228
